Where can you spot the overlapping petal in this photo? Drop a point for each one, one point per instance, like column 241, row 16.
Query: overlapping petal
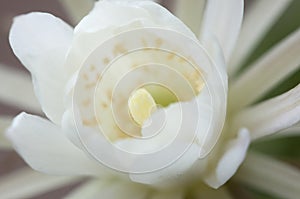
column 109, row 18
column 288, row 132
column 256, row 16
column 191, row 13
column 271, row 116
column 44, row 147
column 234, row 154
column 43, row 54
column 222, row 21
column 173, row 174
column 267, row 72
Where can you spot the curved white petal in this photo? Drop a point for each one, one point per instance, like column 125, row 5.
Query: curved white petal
column 263, row 75
column 26, row 183
column 211, row 103
column 43, row 54
column 5, row 122
column 190, row 12
column 16, row 89
column 256, row 16
column 172, row 174
column 123, row 13
column 288, row 132
column 91, row 141
column 222, row 20
column 109, row 18
column 44, row 147
column 103, row 102
column 272, row 115
column 112, row 189
column 70, row 128
column 234, row 154
column 178, row 121
column 269, row 175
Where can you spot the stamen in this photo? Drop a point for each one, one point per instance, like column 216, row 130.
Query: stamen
column 141, row 104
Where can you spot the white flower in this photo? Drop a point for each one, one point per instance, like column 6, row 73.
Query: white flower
column 79, row 97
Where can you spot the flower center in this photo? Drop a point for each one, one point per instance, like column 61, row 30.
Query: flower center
column 141, row 104
column 144, row 101
column 161, row 95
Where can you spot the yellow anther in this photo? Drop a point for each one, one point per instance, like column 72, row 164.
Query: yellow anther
column 141, row 104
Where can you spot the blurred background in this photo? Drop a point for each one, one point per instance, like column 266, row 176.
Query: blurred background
column 287, row 149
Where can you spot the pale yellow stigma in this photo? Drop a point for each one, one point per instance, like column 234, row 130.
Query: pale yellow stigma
column 141, row 104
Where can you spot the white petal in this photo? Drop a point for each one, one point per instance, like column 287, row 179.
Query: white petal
column 270, row 175
column 222, row 20
column 44, row 148
column 77, row 9
column 16, row 89
column 41, row 42
column 112, row 189
column 207, row 192
column 70, row 128
column 186, row 121
column 267, row 72
column 26, row 183
column 214, row 92
column 172, row 174
column 207, row 109
column 150, row 13
column 272, row 115
column 90, row 141
column 5, row 122
column 256, row 16
column 109, row 18
column 190, row 12
column 183, row 124
column 288, row 132
column 234, row 155
column 175, row 125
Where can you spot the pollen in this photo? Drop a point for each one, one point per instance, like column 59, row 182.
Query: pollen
column 158, row 42
column 106, row 60
column 141, row 104
column 119, row 49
